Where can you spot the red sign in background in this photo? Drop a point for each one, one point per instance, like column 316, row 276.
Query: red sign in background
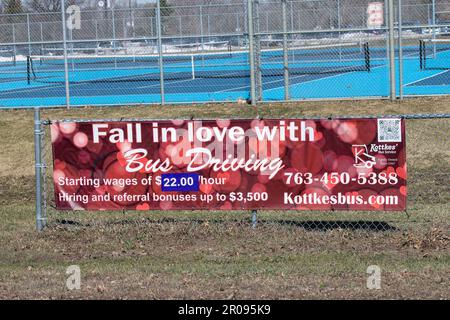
column 340, row 164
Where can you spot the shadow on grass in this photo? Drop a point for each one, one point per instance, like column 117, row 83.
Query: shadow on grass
column 309, row 225
column 322, row 225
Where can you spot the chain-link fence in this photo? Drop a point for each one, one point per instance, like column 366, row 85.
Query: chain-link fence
column 427, row 206
column 254, row 51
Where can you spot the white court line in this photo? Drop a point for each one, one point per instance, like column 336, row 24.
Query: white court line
column 49, row 86
column 44, row 86
column 248, row 86
column 432, row 76
column 166, row 81
column 296, row 77
column 421, row 79
column 171, row 82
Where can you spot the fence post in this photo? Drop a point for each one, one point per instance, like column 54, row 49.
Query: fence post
column 42, row 36
column 254, row 218
column 391, row 47
column 292, row 16
column 251, row 52
column 38, row 168
column 257, row 49
column 339, row 24
column 400, row 50
column 97, row 44
column 124, row 28
column 386, row 30
column 201, row 29
column 29, row 34
column 14, row 38
column 208, row 24
column 433, row 18
column 160, row 59
column 285, row 52
column 66, row 64
column 113, row 21
column 339, row 17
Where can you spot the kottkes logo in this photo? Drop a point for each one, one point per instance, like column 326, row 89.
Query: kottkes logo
column 383, row 148
column 362, row 157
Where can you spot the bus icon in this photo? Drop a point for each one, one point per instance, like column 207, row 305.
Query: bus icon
column 362, row 157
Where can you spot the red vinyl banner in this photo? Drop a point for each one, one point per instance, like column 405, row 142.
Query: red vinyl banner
column 339, row 164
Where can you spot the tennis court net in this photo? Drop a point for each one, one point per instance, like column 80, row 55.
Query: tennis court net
column 304, row 60
column 434, row 54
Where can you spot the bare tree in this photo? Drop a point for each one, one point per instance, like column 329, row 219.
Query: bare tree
column 13, row 6
column 51, row 5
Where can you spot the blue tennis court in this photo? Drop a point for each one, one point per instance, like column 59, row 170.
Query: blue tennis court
column 322, row 72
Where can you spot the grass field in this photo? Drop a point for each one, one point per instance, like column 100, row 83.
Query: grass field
column 199, row 255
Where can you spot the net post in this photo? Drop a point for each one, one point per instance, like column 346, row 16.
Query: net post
column 392, row 76
column 285, row 52
column 254, row 218
column 421, row 54
column 28, row 70
column 38, row 168
column 193, row 66
column 251, row 52
column 400, row 50
column 367, row 56
column 66, row 64
column 424, row 57
column 160, row 53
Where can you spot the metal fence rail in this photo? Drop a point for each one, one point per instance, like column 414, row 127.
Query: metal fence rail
column 252, row 51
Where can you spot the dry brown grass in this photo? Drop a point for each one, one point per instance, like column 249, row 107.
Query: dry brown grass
column 198, row 255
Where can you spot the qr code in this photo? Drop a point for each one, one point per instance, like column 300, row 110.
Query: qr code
column 389, row 130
